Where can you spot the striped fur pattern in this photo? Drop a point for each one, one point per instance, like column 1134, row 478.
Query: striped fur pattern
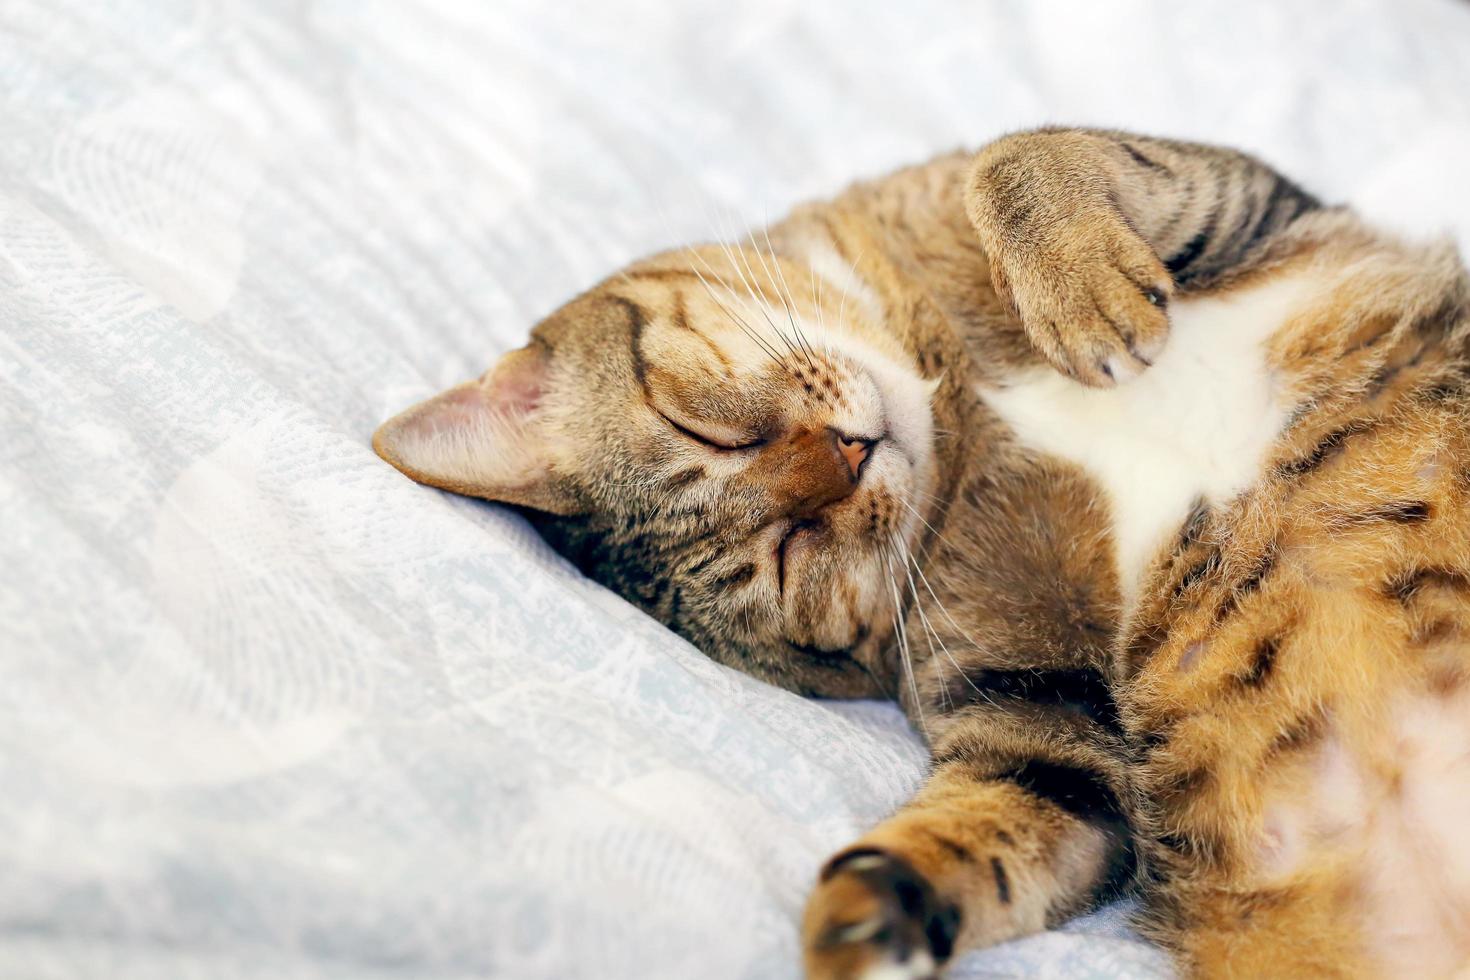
column 1136, row 475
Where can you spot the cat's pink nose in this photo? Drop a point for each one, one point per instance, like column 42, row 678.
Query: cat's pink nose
column 814, row 468
column 855, row 451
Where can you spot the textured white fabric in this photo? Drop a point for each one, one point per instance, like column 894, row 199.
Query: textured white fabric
column 270, row 710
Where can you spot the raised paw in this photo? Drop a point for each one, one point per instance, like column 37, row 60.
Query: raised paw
column 1091, row 294
column 873, row 916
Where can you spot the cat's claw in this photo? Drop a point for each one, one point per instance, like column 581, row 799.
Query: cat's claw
column 872, row 916
column 1092, row 297
column 1094, row 304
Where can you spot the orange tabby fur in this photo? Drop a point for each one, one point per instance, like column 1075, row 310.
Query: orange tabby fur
column 1253, row 709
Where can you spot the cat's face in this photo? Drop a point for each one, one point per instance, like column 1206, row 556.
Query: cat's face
column 731, row 444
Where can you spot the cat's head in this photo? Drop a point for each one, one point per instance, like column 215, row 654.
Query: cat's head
column 731, row 443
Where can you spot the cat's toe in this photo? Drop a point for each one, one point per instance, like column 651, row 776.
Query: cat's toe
column 1119, row 322
column 873, row 916
column 1094, row 301
column 1104, row 339
column 1131, row 317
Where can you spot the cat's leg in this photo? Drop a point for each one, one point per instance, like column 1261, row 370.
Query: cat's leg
column 1022, row 821
column 1018, row 827
column 1090, row 233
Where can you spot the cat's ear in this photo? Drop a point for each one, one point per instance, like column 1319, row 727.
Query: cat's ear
column 485, row 438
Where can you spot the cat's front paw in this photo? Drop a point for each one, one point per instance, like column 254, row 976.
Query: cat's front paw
column 1091, row 294
column 872, row 915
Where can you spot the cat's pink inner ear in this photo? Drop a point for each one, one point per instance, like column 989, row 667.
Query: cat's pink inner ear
column 458, row 410
column 516, row 384
column 482, row 438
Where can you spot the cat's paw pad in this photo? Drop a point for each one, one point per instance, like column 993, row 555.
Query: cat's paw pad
column 1093, row 299
column 872, row 915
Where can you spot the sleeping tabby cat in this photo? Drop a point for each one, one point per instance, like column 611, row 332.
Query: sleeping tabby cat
column 1134, row 473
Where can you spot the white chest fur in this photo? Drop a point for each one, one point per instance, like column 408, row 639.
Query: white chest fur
column 1196, row 424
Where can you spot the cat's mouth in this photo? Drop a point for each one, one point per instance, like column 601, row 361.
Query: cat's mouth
column 796, row 534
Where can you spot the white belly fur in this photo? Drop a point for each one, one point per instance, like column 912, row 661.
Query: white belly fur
column 1196, row 424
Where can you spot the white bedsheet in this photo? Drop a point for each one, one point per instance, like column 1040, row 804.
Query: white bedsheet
column 270, row 710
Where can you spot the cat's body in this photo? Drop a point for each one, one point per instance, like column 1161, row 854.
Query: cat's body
column 1202, row 625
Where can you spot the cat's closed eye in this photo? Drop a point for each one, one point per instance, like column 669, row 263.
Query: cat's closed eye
column 713, row 435
column 759, row 499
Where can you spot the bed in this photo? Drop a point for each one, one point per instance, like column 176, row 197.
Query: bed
column 270, row 709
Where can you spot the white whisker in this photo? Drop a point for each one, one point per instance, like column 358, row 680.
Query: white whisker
column 709, row 290
column 736, row 261
column 940, row 603
column 847, row 290
column 903, row 647
column 783, row 290
column 929, row 629
column 915, row 511
column 794, row 347
column 728, row 244
column 957, row 628
column 734, row 318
